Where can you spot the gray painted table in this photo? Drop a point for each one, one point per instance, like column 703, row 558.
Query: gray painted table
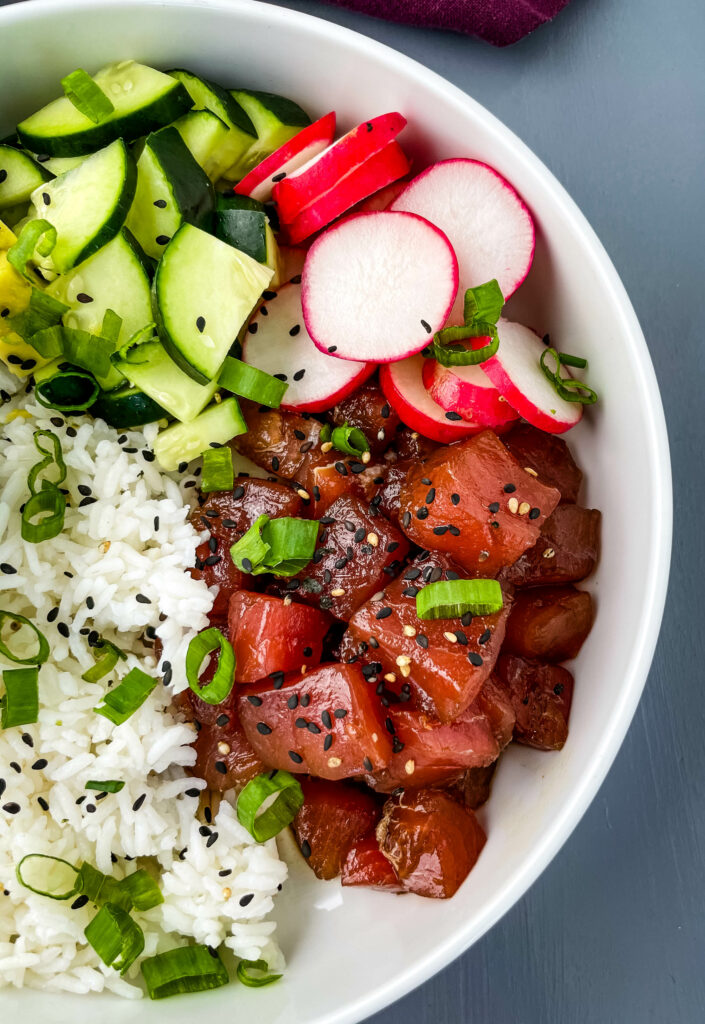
column 612, row 97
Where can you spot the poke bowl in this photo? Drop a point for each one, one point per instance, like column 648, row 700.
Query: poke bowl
column 130, row 483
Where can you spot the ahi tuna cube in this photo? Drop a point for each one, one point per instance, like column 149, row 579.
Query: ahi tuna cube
column 369, row 411
column 565, row 552
column 230, row 514
column 365, row 864
column 216, row 568
column 333, row 816
column 473, row 787
column 541, row 695
column 549, row 623
column 224, row 756
column 548, row 456
column 270, row 634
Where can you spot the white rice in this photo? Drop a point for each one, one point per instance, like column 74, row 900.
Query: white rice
column 111, row 550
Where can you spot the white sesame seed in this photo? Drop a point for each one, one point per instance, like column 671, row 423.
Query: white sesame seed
column 524, row 508
column 334, row 762
column 409, row 631
column 380, row 434
column 104, row 547
column 410, row 767
column 484, row 555
column 403, row 659
column 223, row 748
column 532, row 472
column 390, row 677
column 338, row 592
column 379, row 596
column 375, row 737
column 326, row 446
column 303, row 669
column 227, row 893
column 414, row 434
column 372, row 539
column 451, row 637
column 303, row 494
column 365, row 457
column 405, row 670
column 549, row 553
column 288, row 599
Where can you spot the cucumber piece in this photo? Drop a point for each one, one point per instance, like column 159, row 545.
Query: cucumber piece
column 19, row 176
column 57, row 165
column 183, row 442
column 87, row 205
column 148, row 367
column 171, row 189
column 127, row 407
column 243, row 223
column 276, row 120
column 204, row 134
column 207, row 95
column 205, row 290
column 144, row 99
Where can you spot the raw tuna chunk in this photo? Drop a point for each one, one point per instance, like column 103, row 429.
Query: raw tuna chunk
column 284, row 443
column 230, row 514
column 447, row 659
column 357, row 554
column 369, row 410
column 548, row 456
column 224, row 756
column 475, row 502
column 549, row 623
column 271, row 635
column 327, row 722
column 365, row 864
column 473, row 788
column 409, row 444
column 430, row 840
column 387, row 493
column 216, row 568
column 493, row 702
column 565, row 552
column 541, row 695
column 333, row 816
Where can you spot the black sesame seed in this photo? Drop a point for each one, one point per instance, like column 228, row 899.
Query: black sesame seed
column 328, row 742
column 252, row 328
column 247, row 899
column 509, row 488
column 9, row 570
column 42, row 803
column 296, row 758
column 466, row 618
column 367, row 763
column 341, row 468
column 79, row 902
column 410, row 592
column 397, row 745
column 299, row 374
column 494, row 507
column 3, row 786
column 11, row 808
column 142, row 599
column 90, row 808
column 440, row 530
column 263, row 729
column 193, row 792
column 301, row 723
column 422, row 513
column 15, row 767
column 306, row 848
column 454, row 530
column 332, row 348
column 211, row 839
column 426, row 326
column 475, row 659
column 225, row 872
column 63, row 630
column 204, row 831
column 494, row 524
column 485, row 636
column 138, row 802
column 534, row 513
column 277, row 679
column 453, row 416
column 40, row 764
column 229, row 524
column 200, row 324
column 383, row 613
column 222, row 720
column 389, row 725
column 558, row 689
column 160, row 204
column 293, row 702
column 406, row 519
column 393, row 546
column 213, row 560
column 162, row 239
column 84, row 489
column 461, row 637
column 279, row 177
column 71, row 432
column 422, row 640
column 221, row 767
column 305, row 700
column 275, row 463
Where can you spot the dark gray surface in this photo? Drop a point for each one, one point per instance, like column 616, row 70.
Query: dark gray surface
column 611, row 96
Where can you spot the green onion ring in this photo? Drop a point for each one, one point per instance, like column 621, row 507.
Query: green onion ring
column 181, row 970
column 279, row 814
column 36, row 659
column 450, row 599
column 116, row 938
column 65, row 878
column 51, row 500
column 218, row 473
column 205, row 643
column 20, row 705
column 246, row 973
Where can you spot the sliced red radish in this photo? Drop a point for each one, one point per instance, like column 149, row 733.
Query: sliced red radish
column 382, row 199
column 376, row 286
column 403, row 388
column 469, row 391
column 485, row 219
column 299, row 189
column 387, row 165
column 300, row 150
column 278, row 343
column 516, row 373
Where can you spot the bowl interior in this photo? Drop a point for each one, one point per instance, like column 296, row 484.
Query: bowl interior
column 351, row 952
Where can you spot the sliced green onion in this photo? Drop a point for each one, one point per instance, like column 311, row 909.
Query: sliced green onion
column 277, row 815
column 350, row 440
column 112, row 654
column 43, row 649
column 68, row 391
column 53, row 456
column 187, row 969
column 87, row 96
column 200, row 647
column 255, row 973
column 36, row 234
column 111, row 326
column 101, row 889
column 20, row 705
column 91, row 352
column 281, row 546
column 249, row 382
column 48, row 876
column 122, row 702
column 42, row 311
column 450, row 599
column 567, row 388
column 218, row 473
column 485, row 302
column 50, row 500
column 142, row 890
column 105, row 786
column 482, row 309
column 116, row 938
column 143, row 336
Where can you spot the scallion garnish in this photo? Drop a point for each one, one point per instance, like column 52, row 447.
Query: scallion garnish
column 450, row 599
column 87, row 96
column 205, row 643
column 69, row 390
column 218, row 473
column 142, row 890
column 106, row 786
column 129, row 352
column 111, row 326
column 482, row 309
column 105, row 663
column 122, row 702
column 116, row 938
column 51, row 501
column 249, row 382
column 186, row 969
column 42, row 652
column 255, row 973
column 91, row 352
column 48, row 876
column 43, row 311
column 20, row 704
column 37, row 235
column 53, row 456
column 138, row 891
column 277, row 815
column 569, row 389
column 349, row 440
column 281, row 546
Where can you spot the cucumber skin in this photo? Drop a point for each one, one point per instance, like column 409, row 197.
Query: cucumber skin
column 281, row 107
column 140, row 122
column 233, row 109
column 195, row 203
column 25, row 158
column 132, row 409
column 116, row 220
column 245, row 230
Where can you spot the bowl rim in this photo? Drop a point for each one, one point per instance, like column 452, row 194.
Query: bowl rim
column 656, row 442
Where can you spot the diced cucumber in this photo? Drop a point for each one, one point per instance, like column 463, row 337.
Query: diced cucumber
column 14, row 214
column 276, row 120
column 148, row 367
column 60, row 164
column 171, row 189
column 207, row 95
column 87, row 205
column 19, row 176
column 204, row 134
column 144, row 99
column 127, row 407
column 205, row 291
column 183, row 442
column 243, row 223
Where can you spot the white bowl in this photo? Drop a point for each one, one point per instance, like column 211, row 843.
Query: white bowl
column 352, row 952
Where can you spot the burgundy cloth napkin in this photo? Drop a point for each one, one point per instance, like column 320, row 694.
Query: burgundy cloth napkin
column 499, row 22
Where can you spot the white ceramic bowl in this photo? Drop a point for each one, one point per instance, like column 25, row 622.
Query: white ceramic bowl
column 352, row 952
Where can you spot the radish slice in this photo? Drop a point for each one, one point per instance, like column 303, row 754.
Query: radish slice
column 298, row 190
column 469, row 391
column 487, row 222
column 299, row 150
column 387, row 165
column 376, row 286
column 403, row 388
column 516, row 373
column 278, row 343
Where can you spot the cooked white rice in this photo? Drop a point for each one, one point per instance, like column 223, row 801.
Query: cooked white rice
column 132, row 539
